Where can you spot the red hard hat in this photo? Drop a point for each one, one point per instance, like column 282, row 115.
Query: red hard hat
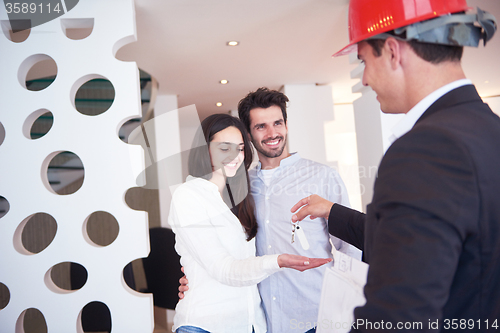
column 368, row 18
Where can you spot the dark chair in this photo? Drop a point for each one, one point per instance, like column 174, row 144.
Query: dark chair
column 162, row 268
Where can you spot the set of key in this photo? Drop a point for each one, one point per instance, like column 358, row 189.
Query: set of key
column 297, row 230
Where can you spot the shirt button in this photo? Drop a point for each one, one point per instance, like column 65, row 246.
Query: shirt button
column 269, row 246
column 274, row 298
column 267, row 221
column 267, row 198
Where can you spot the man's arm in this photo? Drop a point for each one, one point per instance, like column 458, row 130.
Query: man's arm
column 344, row 223
column 347, row 224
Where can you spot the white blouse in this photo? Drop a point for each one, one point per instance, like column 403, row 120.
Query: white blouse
column 220, row 264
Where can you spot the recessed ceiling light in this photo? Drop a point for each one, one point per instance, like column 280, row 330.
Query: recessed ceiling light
column 219, row 104
column 223, row 81
column 232, row 43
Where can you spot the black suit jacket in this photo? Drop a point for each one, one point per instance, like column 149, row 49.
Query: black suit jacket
column 432, row 232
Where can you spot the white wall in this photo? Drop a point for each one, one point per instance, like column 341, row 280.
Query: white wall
column 369, row 141
column 494, row 103
column 168, row 143
column 340, row 136
column 387, row 122
column 324, row 133
column 310, row 106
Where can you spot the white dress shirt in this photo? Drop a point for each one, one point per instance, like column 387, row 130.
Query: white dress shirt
column 221, row 265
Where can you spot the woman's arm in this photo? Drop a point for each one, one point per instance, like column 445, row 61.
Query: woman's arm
column 197, row 235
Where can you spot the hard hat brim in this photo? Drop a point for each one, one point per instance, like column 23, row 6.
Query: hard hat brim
column 350, row 48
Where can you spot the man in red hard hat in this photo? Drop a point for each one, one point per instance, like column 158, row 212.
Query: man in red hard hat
column 432, row 232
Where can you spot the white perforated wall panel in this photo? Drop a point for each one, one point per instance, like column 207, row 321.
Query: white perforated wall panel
column 106, row 160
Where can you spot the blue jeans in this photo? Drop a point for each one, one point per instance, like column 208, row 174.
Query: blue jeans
column 312, row 330
column 190, row 329
column 193, row 329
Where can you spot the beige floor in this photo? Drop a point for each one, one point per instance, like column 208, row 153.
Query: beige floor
column 164, row 319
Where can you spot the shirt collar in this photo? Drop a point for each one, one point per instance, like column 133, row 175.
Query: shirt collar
column 294, row 157
column 418, row 110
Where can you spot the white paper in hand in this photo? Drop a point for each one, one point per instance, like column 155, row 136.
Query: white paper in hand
column 342, row 292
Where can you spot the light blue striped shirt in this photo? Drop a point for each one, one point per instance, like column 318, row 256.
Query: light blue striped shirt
column 291, row 298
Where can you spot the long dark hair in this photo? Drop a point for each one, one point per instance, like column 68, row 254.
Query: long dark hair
column 236, row 194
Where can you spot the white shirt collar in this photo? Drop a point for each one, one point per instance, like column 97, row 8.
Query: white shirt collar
column 418, row 110
column 294, row 157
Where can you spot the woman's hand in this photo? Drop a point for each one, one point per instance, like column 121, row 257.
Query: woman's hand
column 183, row 281
column 300, row 263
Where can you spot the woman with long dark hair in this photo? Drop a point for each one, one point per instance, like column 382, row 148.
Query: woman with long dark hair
column 212, row 215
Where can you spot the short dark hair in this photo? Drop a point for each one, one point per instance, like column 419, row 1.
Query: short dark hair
column 237, row 189
column 261, row 98
column 433, row 53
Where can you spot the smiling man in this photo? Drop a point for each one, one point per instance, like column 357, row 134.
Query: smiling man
column 268, row 132
column 432, row 231
column 291, row 301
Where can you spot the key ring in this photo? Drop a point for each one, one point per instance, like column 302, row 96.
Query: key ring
column 294, row 227
column 297, row 230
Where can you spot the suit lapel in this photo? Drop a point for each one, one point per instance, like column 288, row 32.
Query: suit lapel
column 460, row 95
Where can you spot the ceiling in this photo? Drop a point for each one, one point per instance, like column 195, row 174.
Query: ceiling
column 182, row 43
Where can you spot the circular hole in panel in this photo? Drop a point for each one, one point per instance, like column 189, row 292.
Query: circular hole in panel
column 95, row 317
column 4, row 296
column 16, row 31
column 68, row 276
column 38, row 124
column 32, row 321
column 149, row 89
column 77, row 28
column 94, row 97
column 63, row 173
column 129, row 127
column 129, row 277
column 101, row 228
column 35, row 233
column 2, row 133
column 37, row 72
column 4, row 206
